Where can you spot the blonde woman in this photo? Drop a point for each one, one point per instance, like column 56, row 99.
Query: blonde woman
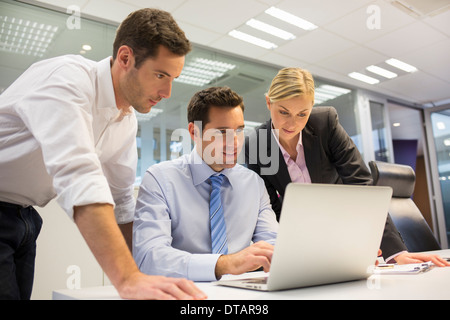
column 309, row 145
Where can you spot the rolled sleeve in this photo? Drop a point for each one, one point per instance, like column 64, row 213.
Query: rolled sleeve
column 84, row 192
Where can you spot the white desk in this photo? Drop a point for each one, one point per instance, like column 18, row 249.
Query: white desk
column 433, row 284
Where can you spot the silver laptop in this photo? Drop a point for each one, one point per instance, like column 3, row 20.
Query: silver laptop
column 327, row 234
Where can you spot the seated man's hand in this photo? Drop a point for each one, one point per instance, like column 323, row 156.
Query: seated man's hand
column 249, row 259
column 412, row 257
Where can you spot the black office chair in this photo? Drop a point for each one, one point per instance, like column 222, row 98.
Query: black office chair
column 408, row 219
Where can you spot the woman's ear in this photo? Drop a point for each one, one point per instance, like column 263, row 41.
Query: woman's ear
column 268, row 102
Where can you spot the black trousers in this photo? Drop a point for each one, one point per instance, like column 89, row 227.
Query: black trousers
column 19, row 229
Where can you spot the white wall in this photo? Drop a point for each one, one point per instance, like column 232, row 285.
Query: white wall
column 63, row 259
column 59, row 246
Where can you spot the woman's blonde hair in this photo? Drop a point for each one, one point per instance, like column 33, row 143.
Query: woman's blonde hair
column 290, row 83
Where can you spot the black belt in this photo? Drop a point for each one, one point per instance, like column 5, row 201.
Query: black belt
column 11, row 205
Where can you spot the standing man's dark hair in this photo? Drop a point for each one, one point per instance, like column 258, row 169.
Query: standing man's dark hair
column 145, row 30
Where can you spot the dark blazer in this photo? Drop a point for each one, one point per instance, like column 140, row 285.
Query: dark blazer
column 330, row 155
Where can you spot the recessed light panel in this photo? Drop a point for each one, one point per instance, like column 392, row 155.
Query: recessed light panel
column 401, row 65
column 21, row 36
column 290, row 18
column 382, row 72
column 201, row 71
column 251, row 39
column 363, row 78
column 265, row 27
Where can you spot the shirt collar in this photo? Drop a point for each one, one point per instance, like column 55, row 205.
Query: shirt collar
column 201, row 172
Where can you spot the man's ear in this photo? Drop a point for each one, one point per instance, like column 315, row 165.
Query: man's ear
column 193, row 131
column 125, row 57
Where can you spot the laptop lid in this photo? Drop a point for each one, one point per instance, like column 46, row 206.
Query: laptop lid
column 328, row 233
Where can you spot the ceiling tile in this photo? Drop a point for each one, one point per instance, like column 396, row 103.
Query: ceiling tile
column 321, row 12
column 283, row 61
column 419, row 87
column 357, row 25
column 117, row 11
column 440, row 22
column 167, row 5
column 198, row 35
column 218, row 16
column 353, row 59
column 433, row 59
column 238, row 47
column 315, row 46
column 406, row 39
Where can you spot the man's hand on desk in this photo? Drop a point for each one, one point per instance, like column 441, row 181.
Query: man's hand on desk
column 412, row 257
column 99, row 228
column 141, row 286
column 251, row 258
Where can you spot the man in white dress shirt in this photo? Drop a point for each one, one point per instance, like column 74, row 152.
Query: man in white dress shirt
column 68, row 130
column 172, row 234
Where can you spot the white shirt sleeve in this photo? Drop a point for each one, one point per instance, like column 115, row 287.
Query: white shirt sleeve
column 58, row 114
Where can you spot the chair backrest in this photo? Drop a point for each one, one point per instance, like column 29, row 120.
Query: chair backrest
column 407, row 217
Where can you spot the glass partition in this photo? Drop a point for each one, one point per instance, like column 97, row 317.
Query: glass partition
column 441, row 134
column 379, row 131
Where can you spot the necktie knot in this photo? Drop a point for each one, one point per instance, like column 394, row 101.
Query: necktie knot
column 216, row 180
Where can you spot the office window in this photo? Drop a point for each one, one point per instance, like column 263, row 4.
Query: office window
column 379, row 131
column 441, row 134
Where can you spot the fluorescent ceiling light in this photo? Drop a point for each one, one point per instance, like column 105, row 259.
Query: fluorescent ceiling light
column 251, row 39
column 86, row 47
column 447, row 142
column 327, row 92
column 382, row 72
column 25, row 37
column 290, row 18
column 396, row 124
column 201, row 71
column 333, row 89
column 440, row 125
column 363, row 77
column 401, row 65
column 322, row 95
column 277, row 32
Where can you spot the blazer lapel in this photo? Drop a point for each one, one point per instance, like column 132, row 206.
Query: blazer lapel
column 312, row 154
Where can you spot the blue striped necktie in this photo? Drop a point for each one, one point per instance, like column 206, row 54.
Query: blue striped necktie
column 218, row 228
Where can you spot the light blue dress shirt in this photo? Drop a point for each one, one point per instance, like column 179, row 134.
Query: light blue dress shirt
column 171, row 232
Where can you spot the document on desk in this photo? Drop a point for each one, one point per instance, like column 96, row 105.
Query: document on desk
column 412, row 268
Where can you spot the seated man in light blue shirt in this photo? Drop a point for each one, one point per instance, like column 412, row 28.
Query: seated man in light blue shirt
column 172, row 233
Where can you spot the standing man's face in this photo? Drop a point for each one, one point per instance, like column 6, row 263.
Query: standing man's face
column 144, row 87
